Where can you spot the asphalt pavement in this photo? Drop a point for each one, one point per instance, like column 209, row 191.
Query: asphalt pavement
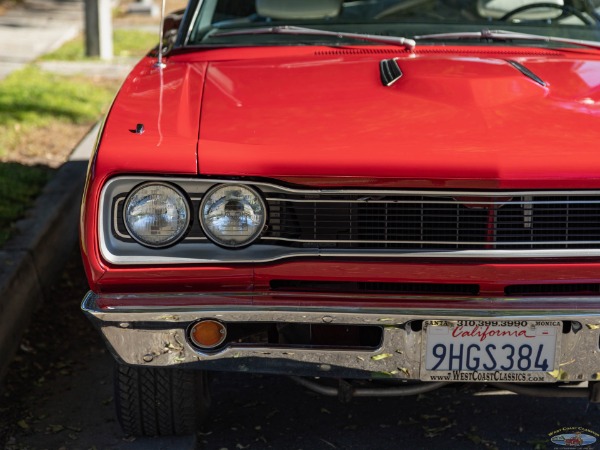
column 70, row 404
column 32, row 259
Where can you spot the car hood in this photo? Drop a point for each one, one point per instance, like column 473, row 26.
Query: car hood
column 450, row 121
column 152, row 126
column 322, row 117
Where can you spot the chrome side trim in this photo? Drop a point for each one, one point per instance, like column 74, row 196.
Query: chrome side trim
column 156, row 336
column 201, row 251
column 433, row 202
column 349, row 241
column 261, row 256
column 273, row 187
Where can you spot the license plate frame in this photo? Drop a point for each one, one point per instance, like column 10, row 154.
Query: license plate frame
column 501, row 333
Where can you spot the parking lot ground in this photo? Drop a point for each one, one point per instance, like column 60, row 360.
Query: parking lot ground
column 58, row 390
column 58, row 395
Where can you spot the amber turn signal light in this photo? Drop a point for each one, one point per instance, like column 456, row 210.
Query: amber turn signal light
column 208, row 333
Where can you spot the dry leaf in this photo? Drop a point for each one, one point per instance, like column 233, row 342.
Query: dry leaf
column 381, row 356
column 559, row 374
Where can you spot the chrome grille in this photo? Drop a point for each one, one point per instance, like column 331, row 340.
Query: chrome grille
column 465, row 221
column 346, row 223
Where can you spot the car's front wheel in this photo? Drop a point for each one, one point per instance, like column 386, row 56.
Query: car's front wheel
column 160, row 402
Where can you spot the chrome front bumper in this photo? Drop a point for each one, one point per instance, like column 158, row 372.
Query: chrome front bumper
column 157, row 335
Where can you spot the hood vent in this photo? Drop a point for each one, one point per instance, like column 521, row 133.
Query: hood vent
column 390, row 71
column 359, row 51
column 439, row 50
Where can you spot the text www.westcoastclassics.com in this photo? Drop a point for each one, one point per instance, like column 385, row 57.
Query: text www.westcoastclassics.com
column 488, row 376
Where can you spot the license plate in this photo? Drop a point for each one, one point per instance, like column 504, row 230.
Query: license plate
column 489, row 350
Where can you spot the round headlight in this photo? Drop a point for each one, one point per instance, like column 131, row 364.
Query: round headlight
column 156, row 214
column 232, row 215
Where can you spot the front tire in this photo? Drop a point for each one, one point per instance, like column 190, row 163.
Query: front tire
column 159, row 401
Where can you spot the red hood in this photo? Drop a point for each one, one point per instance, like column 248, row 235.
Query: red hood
column 167, row 104
column 450, row 121
column 320, row 116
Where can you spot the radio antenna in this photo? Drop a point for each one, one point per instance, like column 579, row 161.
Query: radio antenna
column 159, row 62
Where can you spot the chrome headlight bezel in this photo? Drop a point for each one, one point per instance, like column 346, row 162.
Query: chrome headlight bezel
column 222, row 242
column 175, row 238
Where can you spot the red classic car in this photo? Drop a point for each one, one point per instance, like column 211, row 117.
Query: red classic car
column 351, row 190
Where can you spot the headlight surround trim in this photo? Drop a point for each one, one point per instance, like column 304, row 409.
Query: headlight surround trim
column 220, row 241
column 182, row 231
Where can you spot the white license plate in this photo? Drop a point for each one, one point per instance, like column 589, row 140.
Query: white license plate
column 489, row 350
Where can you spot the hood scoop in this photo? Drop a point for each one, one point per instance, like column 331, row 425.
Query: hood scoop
column 390, row 71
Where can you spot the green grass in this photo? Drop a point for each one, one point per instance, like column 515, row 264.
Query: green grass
column 36, row 105
column 126, row 43
column 33, row 103
column 19, row 186
column 31, row 98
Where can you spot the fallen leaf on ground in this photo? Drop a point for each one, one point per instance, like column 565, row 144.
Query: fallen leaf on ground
column 381, row 356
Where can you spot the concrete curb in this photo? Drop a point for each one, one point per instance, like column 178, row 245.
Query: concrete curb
column 34, row 257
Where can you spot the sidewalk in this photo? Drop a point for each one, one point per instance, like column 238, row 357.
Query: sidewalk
column 36, row 27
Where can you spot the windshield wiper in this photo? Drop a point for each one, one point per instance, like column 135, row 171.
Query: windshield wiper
column 502, row 35
column 302, row 31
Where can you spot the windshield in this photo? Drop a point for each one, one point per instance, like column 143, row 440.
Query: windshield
column 259, row 22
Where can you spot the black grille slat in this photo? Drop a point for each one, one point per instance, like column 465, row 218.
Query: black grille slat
column 435, row 222
column 552, row 289
column 363, row 287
